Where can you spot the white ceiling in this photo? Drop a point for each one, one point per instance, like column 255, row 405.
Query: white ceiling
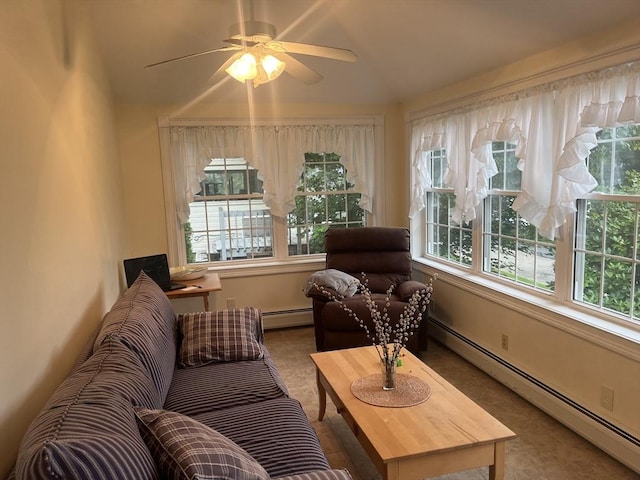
column 405, row 48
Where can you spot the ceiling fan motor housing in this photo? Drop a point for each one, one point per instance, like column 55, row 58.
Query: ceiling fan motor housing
column 253, row 31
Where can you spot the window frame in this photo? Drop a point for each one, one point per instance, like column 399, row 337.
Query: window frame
column 175, row 233
column 307, row 195
column 574, row 315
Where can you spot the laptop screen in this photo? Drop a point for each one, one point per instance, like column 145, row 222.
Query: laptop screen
column 156, row 266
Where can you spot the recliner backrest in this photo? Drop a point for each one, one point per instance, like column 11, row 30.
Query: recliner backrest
column 382, row 253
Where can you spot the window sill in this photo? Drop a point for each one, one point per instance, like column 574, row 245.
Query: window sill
column 271, row 266
column 616, row 335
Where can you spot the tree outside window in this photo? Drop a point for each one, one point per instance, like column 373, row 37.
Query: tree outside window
column 607, row 250
column 325, row 199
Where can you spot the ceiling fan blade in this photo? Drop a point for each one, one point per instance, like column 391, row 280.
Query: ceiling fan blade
column 206, row 52
column 313, row 50
column 240, row 42
column 220, row 73
column 299, row 70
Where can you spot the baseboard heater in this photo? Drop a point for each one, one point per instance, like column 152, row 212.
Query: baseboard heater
column 551, row 391
column 288, row 318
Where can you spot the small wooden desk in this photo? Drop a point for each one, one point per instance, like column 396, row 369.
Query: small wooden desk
column 445, row 434
column 200, row 287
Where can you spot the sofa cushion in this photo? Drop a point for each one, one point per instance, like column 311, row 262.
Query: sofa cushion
column 144, row 321
column 217, row 386
column 184, row 448
column 223, row 336
column 275, row 432
column 87, row 429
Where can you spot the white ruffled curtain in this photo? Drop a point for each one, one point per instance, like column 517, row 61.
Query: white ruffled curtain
column 277, row 152
column 554, row 127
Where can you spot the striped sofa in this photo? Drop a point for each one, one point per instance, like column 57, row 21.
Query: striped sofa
column 157, row 396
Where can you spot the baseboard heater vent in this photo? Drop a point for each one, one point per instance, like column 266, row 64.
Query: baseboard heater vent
column 597, row 418
column 294, row 311
column 296, row 317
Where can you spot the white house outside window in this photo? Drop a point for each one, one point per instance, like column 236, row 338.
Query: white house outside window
column 228, row 218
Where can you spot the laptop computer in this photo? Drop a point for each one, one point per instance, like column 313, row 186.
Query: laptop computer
column 156, row 266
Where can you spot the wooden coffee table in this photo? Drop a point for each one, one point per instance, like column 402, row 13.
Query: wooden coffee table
column 447, row 433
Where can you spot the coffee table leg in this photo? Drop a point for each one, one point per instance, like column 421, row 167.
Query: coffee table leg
column 322, row 397
column 496, row 471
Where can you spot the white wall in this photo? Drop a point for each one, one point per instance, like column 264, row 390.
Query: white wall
column 62, row 223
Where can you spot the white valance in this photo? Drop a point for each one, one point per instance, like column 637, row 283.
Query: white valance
column 277, row 152
column 554, row 128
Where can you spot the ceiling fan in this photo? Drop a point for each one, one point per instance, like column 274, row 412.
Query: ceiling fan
column 260, row 57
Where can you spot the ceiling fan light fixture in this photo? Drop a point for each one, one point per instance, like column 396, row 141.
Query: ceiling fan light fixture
column 272, row 66
column 269, row 69
column 244, row 68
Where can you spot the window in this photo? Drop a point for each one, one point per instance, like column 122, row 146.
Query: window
column 445, row 239
column 231, row 187
column 607, row 243
column 512, row 248
column 606, row 254
column 325, row 199
column 228, row 219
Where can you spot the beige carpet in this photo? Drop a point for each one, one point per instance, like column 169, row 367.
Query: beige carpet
column 543, row 450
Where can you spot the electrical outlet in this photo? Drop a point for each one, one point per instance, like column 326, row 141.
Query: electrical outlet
column 231, row 303
column 505, row 342
column 606, row 397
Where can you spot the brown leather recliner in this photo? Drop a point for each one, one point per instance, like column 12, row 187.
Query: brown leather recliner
column 383, row 255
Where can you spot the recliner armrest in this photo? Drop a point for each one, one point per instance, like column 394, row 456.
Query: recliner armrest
column 324, row 294
column 408, row 288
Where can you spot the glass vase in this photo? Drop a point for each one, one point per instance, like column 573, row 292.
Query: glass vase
column 389, row 375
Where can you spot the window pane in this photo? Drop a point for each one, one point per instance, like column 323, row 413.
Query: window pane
column 316, row 209
column 592, row 279
column 594, row 225
column 323, row 201
column 228, row 219
column 465, row 253
column 526, row 260
column 617, row 274
column 513, row 176
column 615, row 161
column 508, row 217
column 507, row 265
column 442, row 241
column 514, row 250
column 355, row 213
column 620, row 231
column 445, row 239
column 494, row 212
column 337, row 208
column 438, row 168
column 508, row 176
column 607, row 237
column 526, row 230
column 335, row 177
column 313, row 179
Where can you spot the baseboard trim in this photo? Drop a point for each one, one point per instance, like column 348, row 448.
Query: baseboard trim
column 605, row 435
column 296, row 317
